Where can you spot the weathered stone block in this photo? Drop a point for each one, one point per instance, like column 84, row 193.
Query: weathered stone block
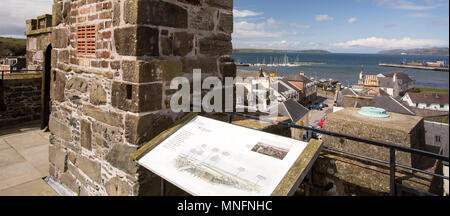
column 155, row 13
column 53, row 60
column 59, row 129
column 228, row 69
column 69, row 181
column 86, row 134
column 183, row 43
column 216, row 45
column 202, row 19
column 118, row 187
column 63, row 57
column 58, row 158
column 57, row 13
column 91, row 168
column 166, row 45
column 78, row 84
column 225, row 4
column 97, row 95
column 107, row 117
column 60, row 38
column 207, row 65
column 192, row 2
column 150, row 71
column 119, row 157
column 226, row 23
column 116, row 14
column 137, row 98
column 137, row 41
column 141, row 129
column 57, row 86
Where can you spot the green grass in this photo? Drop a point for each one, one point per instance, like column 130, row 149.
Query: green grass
column 13, row 46
column 16, row 41
column 429, row 91
column 442, row 119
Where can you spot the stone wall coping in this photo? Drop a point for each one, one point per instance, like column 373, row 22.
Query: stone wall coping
column 39, row 31
column 22, row 76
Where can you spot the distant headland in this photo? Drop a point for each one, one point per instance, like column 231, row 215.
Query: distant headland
column 420, row 51
column 277, row 51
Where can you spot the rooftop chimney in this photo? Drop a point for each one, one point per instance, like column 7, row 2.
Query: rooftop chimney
column 395, row 77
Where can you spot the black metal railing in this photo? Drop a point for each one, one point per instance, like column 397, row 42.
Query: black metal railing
column 394, row 187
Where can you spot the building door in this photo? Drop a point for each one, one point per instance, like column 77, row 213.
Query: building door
column 45, row 93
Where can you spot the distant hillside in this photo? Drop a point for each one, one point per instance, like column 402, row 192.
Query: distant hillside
column 277, row 51
column 422, row 51
column 12, row 46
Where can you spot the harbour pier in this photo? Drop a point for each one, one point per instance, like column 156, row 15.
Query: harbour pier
column 420, row 67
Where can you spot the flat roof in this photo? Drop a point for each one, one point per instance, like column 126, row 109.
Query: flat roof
column 396, row 121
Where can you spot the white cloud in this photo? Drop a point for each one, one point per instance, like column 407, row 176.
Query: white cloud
column 441, row 21
column 245, row 13
column 407, row 4
column 382, row 43
column 14, row 13
column 352, row 20
column 276, row 44
column 323, row 17
column 419, row 15
column 245, row 29
column 300, row 26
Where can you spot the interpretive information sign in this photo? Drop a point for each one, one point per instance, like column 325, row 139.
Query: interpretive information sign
column 207, row 157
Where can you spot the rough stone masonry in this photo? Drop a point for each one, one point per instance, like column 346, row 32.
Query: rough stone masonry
column 112, row 63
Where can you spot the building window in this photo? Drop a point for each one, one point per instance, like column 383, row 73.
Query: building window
column 428, row 105
column 442, row 106
column 438, row 138
column 86, row 39
column 417, row 104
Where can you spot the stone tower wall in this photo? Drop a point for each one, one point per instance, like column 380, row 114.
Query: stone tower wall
column 106, row 105
column 38, row 39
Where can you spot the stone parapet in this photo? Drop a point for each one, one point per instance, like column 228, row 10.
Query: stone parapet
column 20, row 98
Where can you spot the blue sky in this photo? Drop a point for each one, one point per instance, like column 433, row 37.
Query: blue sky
column 358, row 26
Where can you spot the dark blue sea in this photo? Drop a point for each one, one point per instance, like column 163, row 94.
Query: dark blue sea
column 346, row 67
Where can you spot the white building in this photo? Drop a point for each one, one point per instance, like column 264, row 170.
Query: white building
column 394, row 84
column 437, row 102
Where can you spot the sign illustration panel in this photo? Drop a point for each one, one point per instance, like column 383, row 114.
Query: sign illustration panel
column 207, row 157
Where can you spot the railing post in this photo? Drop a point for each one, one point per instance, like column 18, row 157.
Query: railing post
column 230, row 118
column 392, row 165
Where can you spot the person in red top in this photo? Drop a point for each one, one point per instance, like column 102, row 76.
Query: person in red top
column 321, row 123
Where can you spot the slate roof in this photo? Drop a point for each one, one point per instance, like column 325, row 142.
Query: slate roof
column 282, row 88
column 428, row 98
column 286, row 81
column 388, row 103
column 391, row 105
column 386, row 82
column 293, row 110
column 299, row 78
column 400, row 75
column 342, row 93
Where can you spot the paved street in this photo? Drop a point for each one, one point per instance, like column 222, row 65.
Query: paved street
column 317, row 115
column 24, row 161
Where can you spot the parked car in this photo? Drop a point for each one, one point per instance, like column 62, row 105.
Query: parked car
column 315, row 107
column 323, row 105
